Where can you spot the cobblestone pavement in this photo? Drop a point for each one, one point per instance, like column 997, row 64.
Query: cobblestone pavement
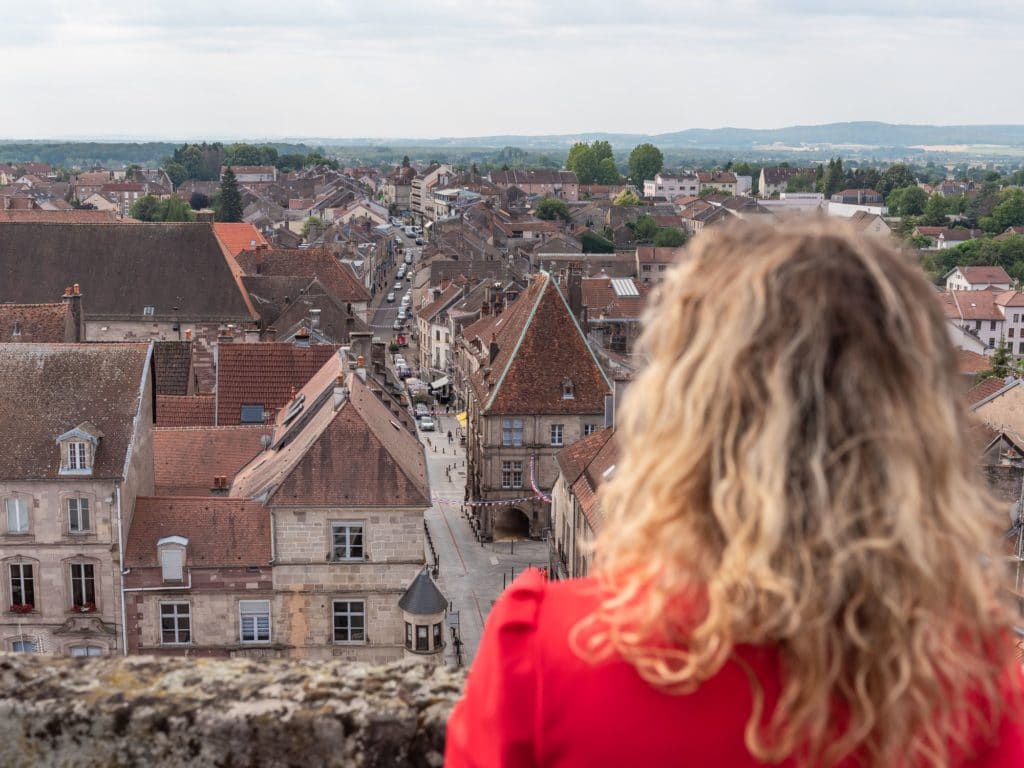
column 472, row 575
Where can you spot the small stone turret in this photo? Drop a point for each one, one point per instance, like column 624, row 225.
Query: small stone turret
column 423, row 608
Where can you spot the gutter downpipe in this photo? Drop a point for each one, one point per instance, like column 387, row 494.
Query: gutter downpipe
column 273, row 536
column 120, row 555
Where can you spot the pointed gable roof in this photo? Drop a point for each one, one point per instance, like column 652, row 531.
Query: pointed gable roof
column 540, row 346
column 423, row 598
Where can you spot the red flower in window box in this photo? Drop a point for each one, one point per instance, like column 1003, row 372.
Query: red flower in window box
column 84, row 608
column 22, row 608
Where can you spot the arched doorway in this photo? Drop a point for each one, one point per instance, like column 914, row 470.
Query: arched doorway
column 510, row 524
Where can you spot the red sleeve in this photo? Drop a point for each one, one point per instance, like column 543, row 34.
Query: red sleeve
column 493, row 724
column 1007, row 749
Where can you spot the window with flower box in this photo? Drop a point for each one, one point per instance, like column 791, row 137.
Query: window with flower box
column 83, row 587
column 23, row 590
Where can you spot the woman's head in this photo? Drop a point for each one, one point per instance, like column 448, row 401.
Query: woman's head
column 794, row 461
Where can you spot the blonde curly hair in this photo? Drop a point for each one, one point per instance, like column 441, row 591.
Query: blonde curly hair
column 794, row 470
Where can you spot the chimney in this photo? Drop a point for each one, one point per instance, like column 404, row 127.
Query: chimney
column 485, row 309
column 270, row 334
column 73, row 298
column 340, row 391
column 220, row 485
column 360, row 343
column 314, row 318
column 493, row 349
column 575, row 290
column 302, row 337
column 226, row 335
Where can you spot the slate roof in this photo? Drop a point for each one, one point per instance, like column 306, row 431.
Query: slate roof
column 540, row 345
column 38, row 323
column 357, row 455
column 172, row 364
column 48, row 389
column 238, row 237
column 123, row 268
column 221, row 532
column 284, row 303
column 309, row 263
column 778, row 175
column 263, row 374
column 423, row 598
column 527, row 177
column 190, row 411
column 186, row 459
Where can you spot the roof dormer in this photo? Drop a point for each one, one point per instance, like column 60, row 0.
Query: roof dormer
column 78, row 449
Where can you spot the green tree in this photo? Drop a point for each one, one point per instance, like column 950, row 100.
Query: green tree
column 1000, row 364
column 175, row 209
column 551, row 208
column 935, row 210
column 1009, row 212
column 311, row 226
column 626, row 197
column 644, row 161
column 907, row 201
column 176, row 172
column 198, row 201
column 583, row 162
column 669, row 237
column 146, row 208
column 834, row 179
column 406, row 162
column 229, row 200
column 801, row 182
column 594, row 243
column 895, row 176
column 607, row 173
column 602, row 150
column 644, row 229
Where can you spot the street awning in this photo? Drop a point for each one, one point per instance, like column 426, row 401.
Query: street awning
column 461, row 418
column 442, row 382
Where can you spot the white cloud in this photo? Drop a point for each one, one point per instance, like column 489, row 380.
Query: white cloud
column 457, row 67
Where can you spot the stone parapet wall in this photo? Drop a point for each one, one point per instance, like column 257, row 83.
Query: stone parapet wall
column 169, row 712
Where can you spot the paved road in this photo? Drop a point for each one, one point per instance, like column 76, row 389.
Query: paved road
column 472, row 576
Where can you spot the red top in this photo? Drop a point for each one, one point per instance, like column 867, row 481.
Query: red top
column 530, row 701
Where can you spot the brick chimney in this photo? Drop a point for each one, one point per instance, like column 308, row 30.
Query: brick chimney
column 270, row 334
column 493, row 349
column 302, row 337
column 73, row 297
column 220, row 485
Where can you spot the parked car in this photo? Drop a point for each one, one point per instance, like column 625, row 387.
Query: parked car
column 398, row 285
column 419, row 241
column 401, row 312
column 401, row 271
column 408, row 258
column 391, row 296
column 406, row 300
column 397, row 325
column 422, row 410
column 427, row 424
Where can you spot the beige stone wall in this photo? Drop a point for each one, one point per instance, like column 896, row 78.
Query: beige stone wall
column 1005, row 411
column 389, row 535
column 536, row 440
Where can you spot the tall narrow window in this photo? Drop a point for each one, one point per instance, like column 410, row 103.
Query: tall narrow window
column 23, row 590
column 83, row 585
column 254, row 621
column 175, row 623
column 512, row 432
column 511, row 474
column 568, row 390
column 556, row 434
column 347, row 541
column 438, row 636
column 349, row 621
column 76, row 455
column 422, row 642
column 172, row 562
column 17, row 515
column 78, row 515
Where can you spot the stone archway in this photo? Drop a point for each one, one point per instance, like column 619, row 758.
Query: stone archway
column 510, row 524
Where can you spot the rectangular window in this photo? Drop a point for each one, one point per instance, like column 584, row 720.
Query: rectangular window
column 422, row 641
column 1010, row 333
column 23, row 590
column 991, row 341
column 556, row 434
column 512, row 433
column 408, row 635
column 991, row 325
column 437, row 335
column 349, row 621
column 78, row 515
column 85, row 650
column 438, row 636
column 589, row 429
column 172, row 562
column 1016, row 317
column 24, row 646
column 17, row 515
column 511, row 474
column 83, row 584
column 1020, row 348
column 76, row 456
column 977, row 325
column 347, row 541
column 175, row 623
column 148, row 310
column 254, row 621
column 645, row 267
column 252, row 414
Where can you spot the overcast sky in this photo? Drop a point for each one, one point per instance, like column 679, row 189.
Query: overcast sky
column 429, row 68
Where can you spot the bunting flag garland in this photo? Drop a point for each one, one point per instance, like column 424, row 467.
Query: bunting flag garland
column 533, row 480
column 461, row 503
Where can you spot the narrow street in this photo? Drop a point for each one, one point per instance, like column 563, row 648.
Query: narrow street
column 472, row 575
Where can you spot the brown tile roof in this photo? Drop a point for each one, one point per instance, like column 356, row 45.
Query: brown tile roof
column 264, row 374
column 63, row 217
column 237, row 169
column 971, row 362
column 983, row 390
column 600, row 298
column 357, row 455
column 445, row 299
column 778, row 175
column 123, row 268
column 985, row 274
column 574, row 458
column 49, row 389
column 178, row 411
column 716, row 177
column 39, row 323
column 220, row 531
column 238, row 237
column 594, row 458
column 172, row 365
column 970, row 305
column 540, row 345
column 650, row 254
column 527, row 177
column 187, row 459
column 310, row 263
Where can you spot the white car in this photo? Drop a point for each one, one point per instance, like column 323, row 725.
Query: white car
column 406, row 300
column 397, row 325
column 427, row 424
column 401, row 313
column 391, row 296
column 398, row 285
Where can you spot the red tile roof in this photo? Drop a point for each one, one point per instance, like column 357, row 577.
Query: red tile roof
column 540, row 346
column 238, row 237
column 985, row 274
column 40, row 323
column 971, row 362
column 189, row 411
column 187, row 459
column 63, row 217
column 970, row 305
column 172, row 366
column 600, row 298
column 983, row 390
column 49, row 389
column 264, row 374
column 593, row 457
column 310, row 262
column 223, row 532
column 650, row 254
